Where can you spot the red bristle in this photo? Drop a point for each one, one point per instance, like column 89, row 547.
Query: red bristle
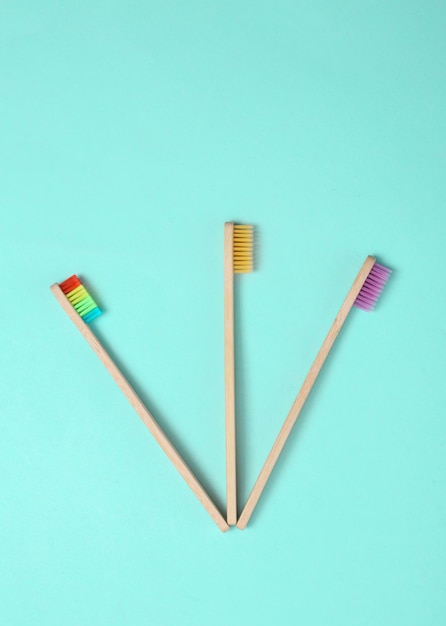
column 70, row 283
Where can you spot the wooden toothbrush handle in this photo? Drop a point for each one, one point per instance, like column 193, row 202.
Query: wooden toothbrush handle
column 231, row 476
column 140, row 408
column 303, row 393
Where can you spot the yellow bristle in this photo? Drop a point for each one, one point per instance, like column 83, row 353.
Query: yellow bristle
column 77, row 294
column 243, row 248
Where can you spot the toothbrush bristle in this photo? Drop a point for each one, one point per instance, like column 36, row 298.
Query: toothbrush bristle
column 80, row 299
column 372, row 287
column 243, row 248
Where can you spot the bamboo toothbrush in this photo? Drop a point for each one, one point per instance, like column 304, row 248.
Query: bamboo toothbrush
column 364, row 294
column 238, row 259
column 82, row 309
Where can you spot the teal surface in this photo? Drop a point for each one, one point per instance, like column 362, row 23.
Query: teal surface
column 130, row 131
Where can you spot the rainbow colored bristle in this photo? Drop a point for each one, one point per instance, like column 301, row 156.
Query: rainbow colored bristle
column 243, row 247
column 80, row 299
column 372, row 287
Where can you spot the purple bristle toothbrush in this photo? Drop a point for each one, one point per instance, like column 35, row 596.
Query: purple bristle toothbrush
column 363, row 294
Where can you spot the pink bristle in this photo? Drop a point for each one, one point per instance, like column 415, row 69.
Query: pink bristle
column 372, row 287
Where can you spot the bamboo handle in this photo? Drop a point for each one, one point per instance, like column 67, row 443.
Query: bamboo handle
column 231, row 477
column 303, row 393
column 139, row 407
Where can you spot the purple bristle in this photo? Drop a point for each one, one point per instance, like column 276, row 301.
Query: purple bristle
column 372, row 287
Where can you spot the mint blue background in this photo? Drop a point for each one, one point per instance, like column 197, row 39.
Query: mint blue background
column 130, row 131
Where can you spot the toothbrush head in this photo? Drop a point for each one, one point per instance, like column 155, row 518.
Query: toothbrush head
column 372, row 287
column 243, row 248
column 80, row 299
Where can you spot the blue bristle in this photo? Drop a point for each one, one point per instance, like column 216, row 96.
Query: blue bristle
column 92, row 315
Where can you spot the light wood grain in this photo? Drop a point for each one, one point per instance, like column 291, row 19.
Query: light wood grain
column 140, row 409
column 303, row 393
column 231, row 474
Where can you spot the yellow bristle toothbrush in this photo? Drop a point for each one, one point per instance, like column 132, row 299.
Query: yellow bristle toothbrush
column 363, row 294
column 82, row 309
column 238, row 259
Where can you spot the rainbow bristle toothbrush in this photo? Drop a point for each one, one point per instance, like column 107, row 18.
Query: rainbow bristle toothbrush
column 363, row 294
column 82, row 309
column 238, row 259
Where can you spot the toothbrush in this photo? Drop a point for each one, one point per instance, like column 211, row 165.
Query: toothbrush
column 363, row 294
column 82, row 309
column 238, row 259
